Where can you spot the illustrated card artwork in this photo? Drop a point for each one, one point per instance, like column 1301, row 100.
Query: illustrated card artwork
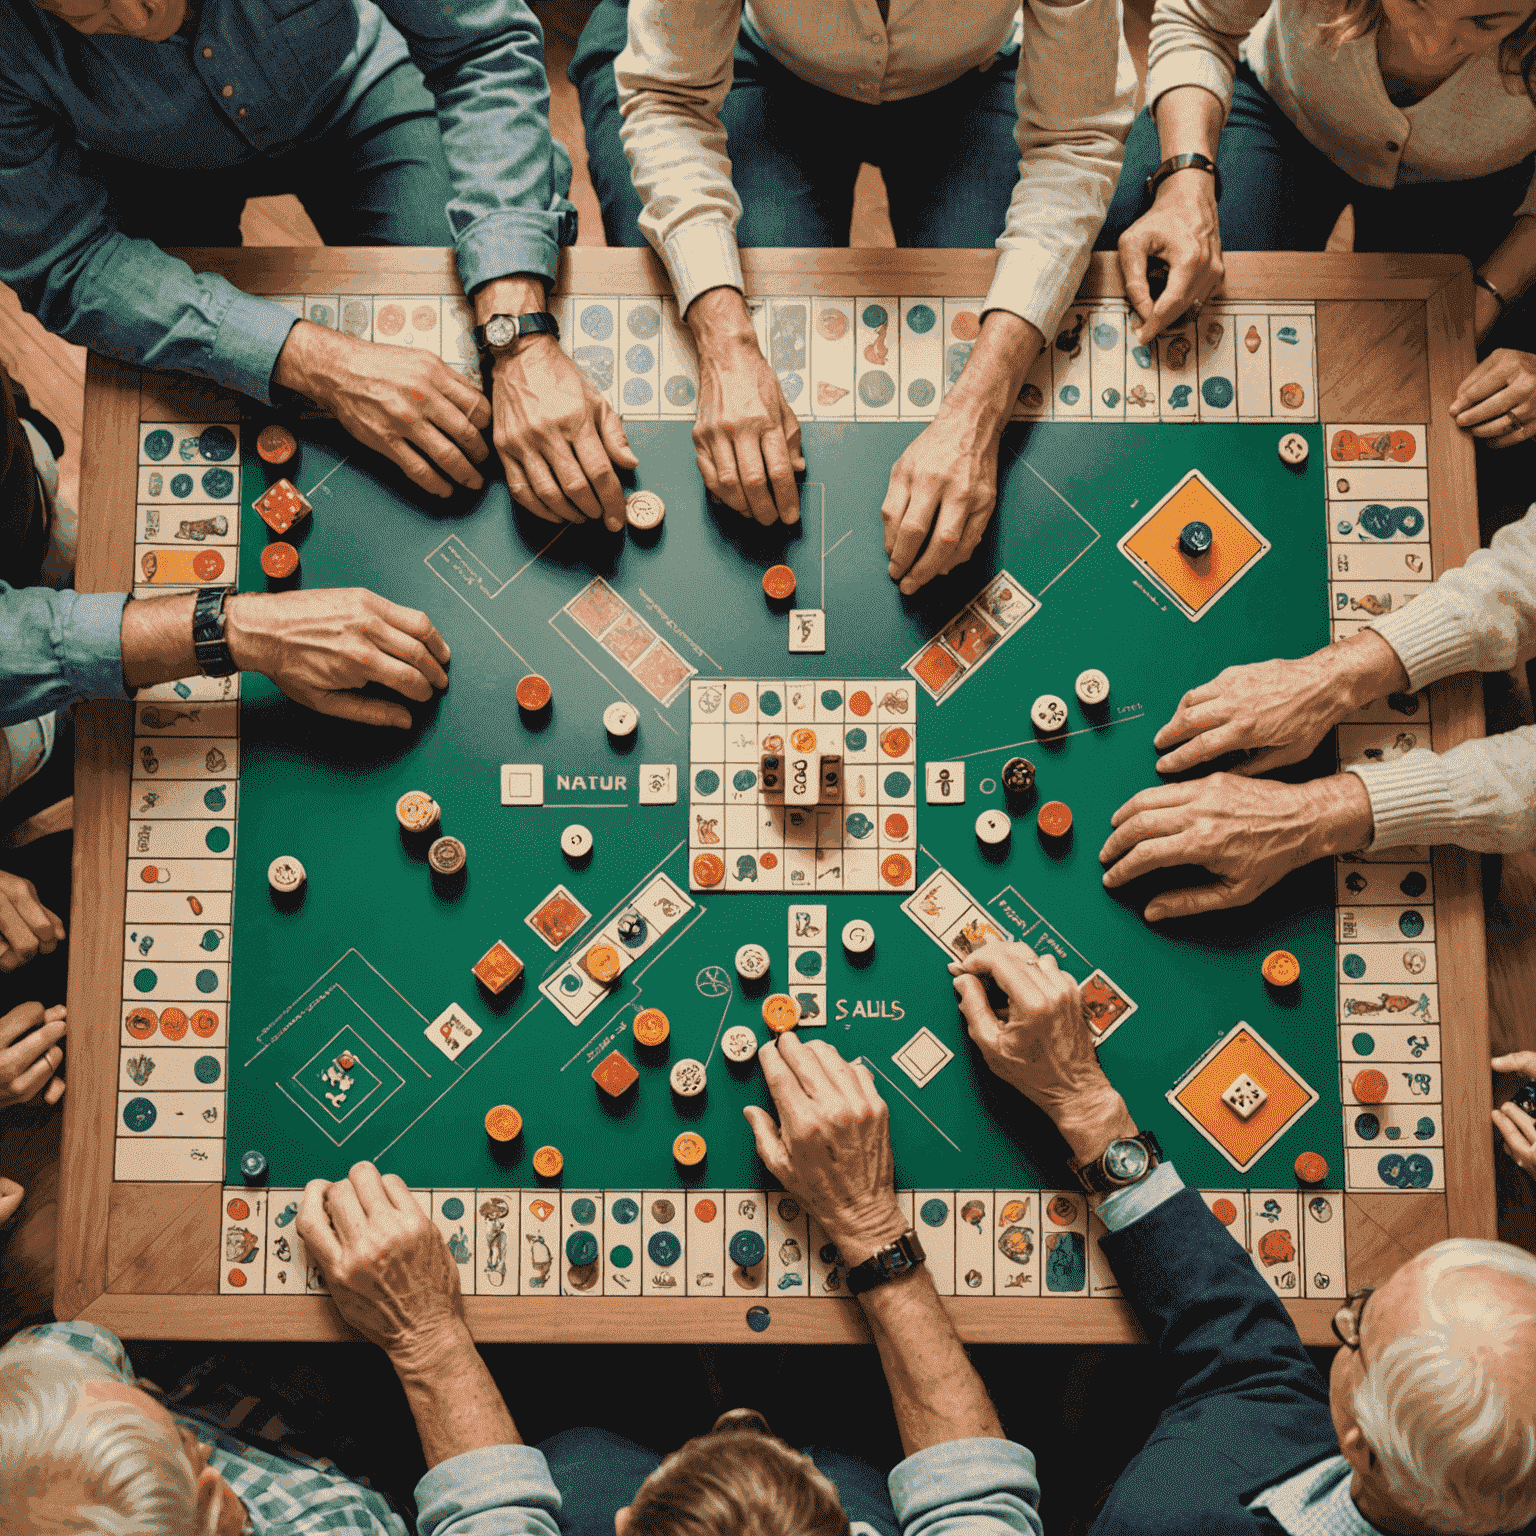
column 1199, row 1095
column 557, row 917
column 1107, row 1005
column 1195, row 583
column 972, row 636
column 452, row 1030
column 923, row 1057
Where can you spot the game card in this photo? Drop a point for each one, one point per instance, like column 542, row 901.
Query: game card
column 557, row 917
column 923, row 1057
column 452, row 1030
column 1106, row 1005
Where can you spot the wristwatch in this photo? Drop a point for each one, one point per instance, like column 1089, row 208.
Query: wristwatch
column 1183, row 163
column 208, row 622
column 886, row 1264
column 1125, row 1161
column 500, row 331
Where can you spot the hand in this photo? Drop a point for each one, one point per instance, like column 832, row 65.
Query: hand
column 408, row 405
column 951, row 471
column 1182, row 228
column 832, row 1146
column 1277, row 711
column 1516, row 1127
column 321, row 647
column 1248, row 833
column 11, row 1196
column 386, row 1266
column 31, row 1052
column 27, row 927
column 745, row 436
column 557, row 437
column 1497, row 400
column 1042, row 1046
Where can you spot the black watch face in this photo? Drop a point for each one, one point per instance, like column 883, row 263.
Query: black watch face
column 500, row 331
column 1125, row 1160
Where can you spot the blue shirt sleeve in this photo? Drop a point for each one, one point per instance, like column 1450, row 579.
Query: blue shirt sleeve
column 58, row 647
column 980, row 1487
column 499, row 1490
column 483, row 61
column 1127, row 1205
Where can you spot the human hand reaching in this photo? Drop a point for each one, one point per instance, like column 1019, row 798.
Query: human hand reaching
column 31, row 1053
column 27, row 928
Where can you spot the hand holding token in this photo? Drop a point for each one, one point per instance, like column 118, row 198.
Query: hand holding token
column 832, row 1146
column 1249, row 833
column 1514, row 1124
column 27, row 927
column 322, row 647
column 745, row 437
column 1497, row 400
column 407, row 404
column 557, row 437
column 1181, row 228
column 1043, row 1046
column 1277, row 711
column 31, row 1052
column 386, row 1266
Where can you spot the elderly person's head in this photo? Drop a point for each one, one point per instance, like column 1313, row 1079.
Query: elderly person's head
column 82, row 1452
column 739, row 1477
column 1434, row 1397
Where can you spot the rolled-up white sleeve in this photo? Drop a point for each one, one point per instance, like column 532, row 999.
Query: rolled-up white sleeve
column 1076, row 98
column 1196, row 42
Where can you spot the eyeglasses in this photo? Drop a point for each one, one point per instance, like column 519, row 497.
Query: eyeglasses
column 1346, row 1321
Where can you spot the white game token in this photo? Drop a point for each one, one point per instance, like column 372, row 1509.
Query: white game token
column 285, row 874
column 738, row 1043
column 687, row 1078
column 993, row 827
column 1049, row 713
column 644, row 510
column 620, row 719
column 576, row 841
column 1293, row 448
column 858, row 937
column 751, row 962
column 1092, row 687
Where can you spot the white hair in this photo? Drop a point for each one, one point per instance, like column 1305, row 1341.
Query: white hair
column 110, row 1472
column 1447, row 1408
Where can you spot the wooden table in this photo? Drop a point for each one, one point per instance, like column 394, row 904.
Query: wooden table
column 1394, row 337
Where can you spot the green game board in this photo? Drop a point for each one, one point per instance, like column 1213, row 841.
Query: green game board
column 376, row 948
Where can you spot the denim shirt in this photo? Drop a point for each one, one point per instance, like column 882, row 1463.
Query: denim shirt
column 295, row 66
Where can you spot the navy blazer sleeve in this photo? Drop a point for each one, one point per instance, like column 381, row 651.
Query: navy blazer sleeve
column 1248, row 1407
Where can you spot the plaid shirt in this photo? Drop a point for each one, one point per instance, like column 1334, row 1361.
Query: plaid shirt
column 500, row 1490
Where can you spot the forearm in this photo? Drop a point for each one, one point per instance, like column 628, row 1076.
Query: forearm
column 519, row 295
column 994, row 373
column 934, row 1388
column 720, row 323
column 1511, row 269
column 157, row 636
column 452, row 1398
column 1189, row 120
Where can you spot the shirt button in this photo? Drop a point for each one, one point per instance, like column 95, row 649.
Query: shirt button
column 207, row 53
column 1393, row 146
column 228, row 91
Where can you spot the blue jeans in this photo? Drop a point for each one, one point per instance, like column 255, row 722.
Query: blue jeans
column 949, row 156
column 598, row 1472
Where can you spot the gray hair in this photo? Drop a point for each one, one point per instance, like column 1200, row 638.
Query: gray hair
column 114, row 1470
column 1450, row 1421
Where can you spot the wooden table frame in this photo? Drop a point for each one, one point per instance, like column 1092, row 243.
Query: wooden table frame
column 1394, row 338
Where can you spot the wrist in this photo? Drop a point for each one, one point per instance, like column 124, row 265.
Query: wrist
column 242, row 630
column 1341, row 815
column 1089, row 1124
column 995, row 372
column 721, row 323
column 432, row 1352
column 1186, row 189
column 521, row 295
column 1367, row 668
column 305, row 358
column 859, row 1236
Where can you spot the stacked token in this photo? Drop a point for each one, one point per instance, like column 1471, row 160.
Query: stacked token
column 1048, row 713
column 620, row 720
column 779, row 583
column 993, row 828
column 253, row 1167
column 1293, row 449
column 780, row 1012
column 1195, row 539
column 1018, row 776
column 687, row 1077
column 1091, row 688
column 447, row 856
column 601, row 963
column 279, row 560
column 688, row 1149
column 738, row 1043
column 533, row 693
column 644, row 510
column 285, row 874
column 752, row 962
column 275, row 445
column 576, row 841
column 858, row 937
column 548, row 1161
column 651, row 1027
column 1054, row 819
column 503, row 1123
column 417, row 811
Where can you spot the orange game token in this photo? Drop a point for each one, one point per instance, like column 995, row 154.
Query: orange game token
column 1224, row 1211
column 534, row 692
column 601, row 963
column 705, row 1210
column 1054, row 818
column 860, row 703
column 416, row 810
column 205, row 1022
column 173, row 1023
column 615, row 1074
column 803, row 740
column 779, row 582
column 276, row 444
column 497, row 968
column 237, row 1277
column 896, row 825
column 1062, row 1210
column 780, row 1012
column 1370, row 1086
column 1311, row 1167
column 1276, row 1247
column 237, row 1209
column 141, row 1023
column 740, row 703
column 207, row 564
column 895, row 741
column 279, row 560
column 896, row 869
column 1292, row 396
column 651, row 1027
column 548, row 1161
column 708, row 869
column 689, row 1148
column 768, row 859
column 149, row 874
column 1281, row 968
column 503, row 1123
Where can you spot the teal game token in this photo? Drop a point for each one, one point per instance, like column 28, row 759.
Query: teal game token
column 453, row 1208
column 934, row 1213
column 747, row 1248
column 758, row 1319
column 624, row 1210
column 664, row 1248
column 581, row 1248
column 583, row 1212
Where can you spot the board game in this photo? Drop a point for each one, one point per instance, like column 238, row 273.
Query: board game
column 382, row 1005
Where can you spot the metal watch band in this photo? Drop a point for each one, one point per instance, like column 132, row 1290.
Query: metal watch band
column 208, row 621
column 1093, row 1177
column 1183, row 163
column 538, row 323
column 888, row 1263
